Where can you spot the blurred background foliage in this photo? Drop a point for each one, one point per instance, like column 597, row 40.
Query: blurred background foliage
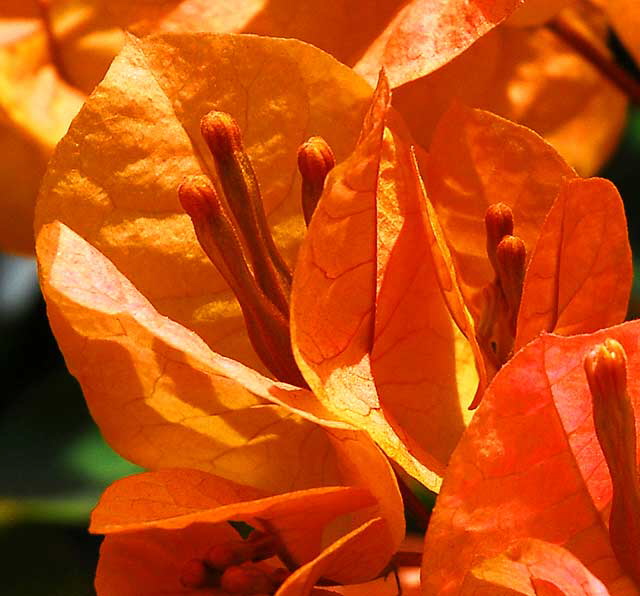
column 53, row 461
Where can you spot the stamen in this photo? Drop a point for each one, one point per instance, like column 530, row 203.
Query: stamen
column 510, row 266
column 498, row 222
column 267, row 327
column 496, row 327
column 615, row 425
column 315, row 161
column 246, row 579
column 240, row 185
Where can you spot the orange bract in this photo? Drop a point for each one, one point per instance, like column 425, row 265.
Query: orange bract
column 530, row 466
column 394, row 319
column 114, row 178
column 180, row 513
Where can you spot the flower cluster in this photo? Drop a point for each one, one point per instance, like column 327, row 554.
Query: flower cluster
column 288, row 296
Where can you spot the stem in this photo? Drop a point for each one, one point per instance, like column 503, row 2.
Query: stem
column 596, row 56
column 413, row 504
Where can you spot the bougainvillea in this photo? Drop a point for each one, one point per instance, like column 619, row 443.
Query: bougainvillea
column 283, row 307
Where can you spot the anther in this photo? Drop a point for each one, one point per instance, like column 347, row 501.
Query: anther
column 498, row 222
column 614, row 420
column 222, row 134
column 315, row 161
column 241, row 189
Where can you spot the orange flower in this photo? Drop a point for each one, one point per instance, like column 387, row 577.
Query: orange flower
column 166, row 532
column 398, row 291
column 379, row 288
column 52, row 52
column 161, row 396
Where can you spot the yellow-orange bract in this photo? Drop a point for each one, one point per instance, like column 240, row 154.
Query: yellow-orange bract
column 158, row 522
column 52, row 52
column 161, row 396
column 388, row 300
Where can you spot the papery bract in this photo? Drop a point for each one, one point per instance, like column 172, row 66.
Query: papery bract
column 530, row 466
column 114, row 178
column 533, row 567
column 352, row 271
column 181, row 512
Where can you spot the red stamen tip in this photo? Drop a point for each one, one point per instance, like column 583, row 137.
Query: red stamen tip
column 606, row 368
column 198, row 197
column 315, row 160
column 511, row 255
column 498, row 221
column 222, row 134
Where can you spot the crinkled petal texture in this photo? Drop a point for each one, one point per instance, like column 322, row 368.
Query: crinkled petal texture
column 114, row 177
column 163, row 399
column 49, row 57
column 530, row 76
column 534, row 568
column 530, row 466
column 409, row 38
column 371, row 330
